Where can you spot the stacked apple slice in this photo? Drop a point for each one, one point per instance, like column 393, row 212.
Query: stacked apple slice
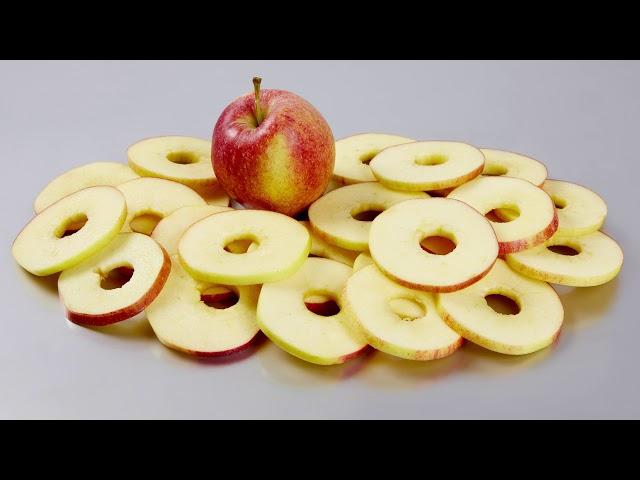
column 416, row 240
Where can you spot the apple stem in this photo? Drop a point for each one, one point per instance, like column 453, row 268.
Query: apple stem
column 256, row 90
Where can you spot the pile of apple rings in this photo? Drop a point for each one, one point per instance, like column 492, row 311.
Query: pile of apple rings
column 415, row 247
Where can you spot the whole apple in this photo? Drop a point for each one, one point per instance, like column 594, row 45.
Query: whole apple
column 273, row 150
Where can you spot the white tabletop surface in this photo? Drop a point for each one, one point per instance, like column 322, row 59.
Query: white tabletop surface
column 580, row 118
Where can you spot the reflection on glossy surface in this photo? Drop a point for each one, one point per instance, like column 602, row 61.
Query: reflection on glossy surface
column 135, row 328
column 47, row 285
column 586, row 305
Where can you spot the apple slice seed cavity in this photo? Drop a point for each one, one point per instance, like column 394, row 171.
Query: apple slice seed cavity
column 284, row 318
column 282, row 246
column 421, row 335
column 396, row 234
column 533, row 328
column 434, row 165
column 41, row 248
column 511, row 164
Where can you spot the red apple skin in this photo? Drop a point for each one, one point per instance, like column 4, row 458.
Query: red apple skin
column 283, row 164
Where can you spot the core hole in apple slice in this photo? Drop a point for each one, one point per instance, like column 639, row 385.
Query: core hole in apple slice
column 368, row 156
column 502, row 304
column 407, row 309
column 321, row 304
column 182, row 158
column 71, row 225
column 502, row 215
column 241, row 245
column 116, row 277
column 220, row 297
column 494, row 170
column 438, row 245
column 367, row 215
column 145, row 223
column 564, row 250
column 431, row 160
column 560, row 203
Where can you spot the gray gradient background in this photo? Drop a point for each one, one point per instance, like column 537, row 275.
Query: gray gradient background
column 580, row 118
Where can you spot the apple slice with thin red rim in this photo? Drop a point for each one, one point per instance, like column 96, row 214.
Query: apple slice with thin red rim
column 396, row 236
column 286, row 320
column 432, row 165
column 354, row 153
column 84, row 176
column 321, row 248
column 282, row 245
column 395, row 319
column 182, row 159
column 152, row 199
column 88, row 303
column 94, row 215
column 170, row 229
column 511, row 164
column 335, row 217
column 182, row 319
column 585, row 261
column 537, row 220
column 535, row 326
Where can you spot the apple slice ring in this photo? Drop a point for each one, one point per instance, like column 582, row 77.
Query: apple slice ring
column 87, row 303
column 396, row 234
column 511, row 164
column 170, row 229
column 535, row 326
column 374, row 304
column 151, row 199
column 420, row 166
column 282, row 244
column 184, row 160
column 598, row 260
column 182, row 321
column 361, row 261
column 537, row 220
column 332, row 216
column 354, row 153
column 41, row 247
column 285, row 319
column 320, row 248
column 84, row 176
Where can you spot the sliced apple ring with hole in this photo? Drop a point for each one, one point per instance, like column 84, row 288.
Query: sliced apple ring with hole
column 149, row 200
column 434, row 165
column 182, row 320
column 396, row 236
column 70, row 230
column 184, row 160
column 285, row 319
column 537, row 220
column 361, row 261
column 85, row 299
column 354, row 153
column 583, row 261
column 343, row 217
column 169, row 230
column 580, row 210
column 89, row 175
column 282, row 245
column 213, row 195
column 395, row 319
column 320, row 248
column 511, row 164
column 535, row 326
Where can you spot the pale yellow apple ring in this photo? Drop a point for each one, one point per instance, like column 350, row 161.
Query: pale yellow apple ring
column 332, row 215
column 511, row 164
column 87, row 303
column 533, row 328
column 285, row 319
column 420, row 166
column 580, row 210
column 367, row 299
column 395, row 236
column 321, row 248
column 355, row 152
column 181, row 159
column 282, row 246
column 157, row 197
column 361, row 261
column 599, row 260
column 84, row 176
column 41, row 248
column 181, row 321
column 537, row 219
